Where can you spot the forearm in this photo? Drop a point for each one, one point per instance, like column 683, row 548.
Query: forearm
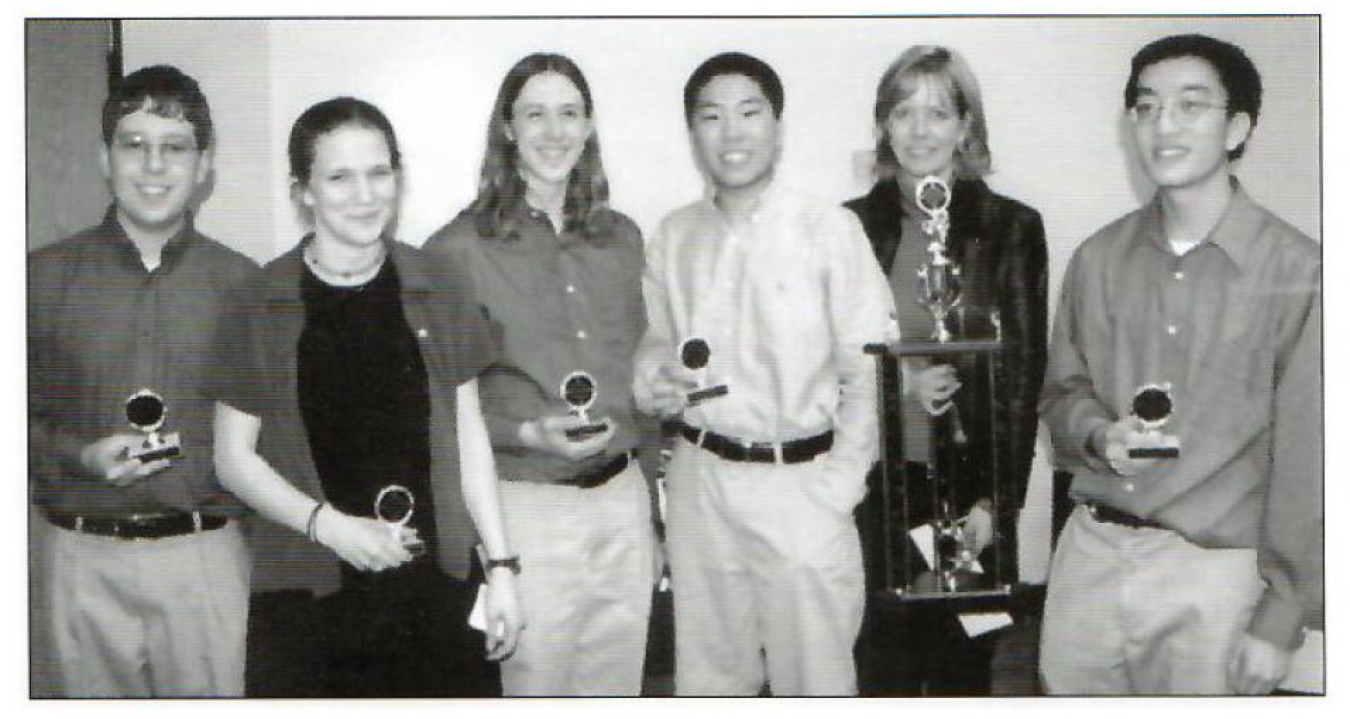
column 53, row 450
column 478, row 473
column 249, row 477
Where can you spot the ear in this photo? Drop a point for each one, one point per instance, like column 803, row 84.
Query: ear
column 1239, row 129
column 303, row 194
column 104, row 162
column 205, row 164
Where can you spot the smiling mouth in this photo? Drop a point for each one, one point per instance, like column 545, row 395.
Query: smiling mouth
column 735, row 157
column 154, row 191
column 1170, row 153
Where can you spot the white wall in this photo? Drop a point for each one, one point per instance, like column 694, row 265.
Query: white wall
column 1052, row 89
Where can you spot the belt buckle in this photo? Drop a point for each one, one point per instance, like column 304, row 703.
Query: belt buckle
column 196, row 522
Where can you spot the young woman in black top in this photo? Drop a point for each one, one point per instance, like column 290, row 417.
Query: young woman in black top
column 347, row 399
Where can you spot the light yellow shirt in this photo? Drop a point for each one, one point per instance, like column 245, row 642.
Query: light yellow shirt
column 786, row 301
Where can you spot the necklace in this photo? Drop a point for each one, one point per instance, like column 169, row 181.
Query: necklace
column 344, row 276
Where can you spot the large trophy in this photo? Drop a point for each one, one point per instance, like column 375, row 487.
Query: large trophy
column 694, row 355
column 579, row 390
column 1152, row 405
column 394, row 506
column 146, row 412
column 924, row 546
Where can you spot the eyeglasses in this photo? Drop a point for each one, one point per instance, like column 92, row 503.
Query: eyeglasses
column 173, row 151
column 1184, row 110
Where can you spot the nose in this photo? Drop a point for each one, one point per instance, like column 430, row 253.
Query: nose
column 364, row 191
column 154, row 157
column 553, row 127
column 1167, row 118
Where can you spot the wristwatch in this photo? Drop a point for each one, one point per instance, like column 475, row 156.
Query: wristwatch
column 512, row 563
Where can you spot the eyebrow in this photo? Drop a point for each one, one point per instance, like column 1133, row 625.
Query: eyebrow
column 1194, row 87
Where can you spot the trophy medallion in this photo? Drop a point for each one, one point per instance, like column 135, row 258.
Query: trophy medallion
column 394, row 506
column 579, row 391
column 939, row 288
column 145, row 412
column 1152, row 405
column 695, row 353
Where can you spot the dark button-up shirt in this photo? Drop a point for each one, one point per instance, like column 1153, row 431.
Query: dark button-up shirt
column 1228, row 326
column 255, row 371
column 101, row 327
column 562, row 303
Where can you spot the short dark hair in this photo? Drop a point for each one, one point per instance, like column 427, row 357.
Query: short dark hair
column 1239, row 75
column 327, row 116
column 734, row 63
column 162, row 90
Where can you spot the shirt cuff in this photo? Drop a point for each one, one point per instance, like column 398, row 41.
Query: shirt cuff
column 1278, row 620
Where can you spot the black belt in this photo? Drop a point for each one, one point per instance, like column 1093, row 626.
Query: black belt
column 1111, row 515
column 139, row 526
column 599, row 475
column 791, row 452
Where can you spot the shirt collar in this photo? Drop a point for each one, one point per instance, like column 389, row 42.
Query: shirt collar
column 1235, row 233
column 764, row 202
column 170, row 255
column 282, row 286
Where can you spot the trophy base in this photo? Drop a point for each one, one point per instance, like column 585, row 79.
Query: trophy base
column 168, row 447
column 586, row 430
column 961, row 587
column 1151, row 452
column 702, row 395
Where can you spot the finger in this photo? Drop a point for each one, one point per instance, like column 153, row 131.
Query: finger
column 149, row 468
column 123, row 473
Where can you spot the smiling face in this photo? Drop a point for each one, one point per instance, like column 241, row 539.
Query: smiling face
column 736, row 134
column 1176, row 151
column 154, row 167
column 924, row 130
column 353, row 186
column 550, row 127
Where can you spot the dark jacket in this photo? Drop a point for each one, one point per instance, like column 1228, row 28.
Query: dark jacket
column 999, row 244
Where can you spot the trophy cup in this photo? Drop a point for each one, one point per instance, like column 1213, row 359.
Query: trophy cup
column 146, row 412
column 1153, row 406
column 394, row 506
column 578, row 390
column 939, row 277
column 694, row 355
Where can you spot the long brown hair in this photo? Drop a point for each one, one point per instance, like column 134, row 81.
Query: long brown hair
column 501, row 190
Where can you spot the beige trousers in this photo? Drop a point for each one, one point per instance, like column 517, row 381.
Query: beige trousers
column 1142, row 611
column 767, row 575
column 585, row 586
column 141, row 618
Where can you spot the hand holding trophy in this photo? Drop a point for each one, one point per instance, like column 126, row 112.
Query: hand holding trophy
column 694, row 355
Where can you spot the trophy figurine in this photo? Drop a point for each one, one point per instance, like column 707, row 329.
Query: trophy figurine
column 694, row 355
column 1153, row 406
column 394, row 506
column 578, row 390
column 146, row 412
column 939, row 277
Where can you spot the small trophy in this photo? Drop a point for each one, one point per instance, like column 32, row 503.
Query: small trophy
column 1153, row 406
column 578, row 390
column 394, row 506
column 694, row 355
column 146, row 412
column 939, row 278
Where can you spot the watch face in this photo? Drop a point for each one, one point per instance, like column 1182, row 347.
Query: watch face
column 578, row 390
column 695, row 353
column 145, row 411
column 394, row 505
column 1152, row 404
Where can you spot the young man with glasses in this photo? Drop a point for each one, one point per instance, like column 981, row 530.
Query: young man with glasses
column 783, row 293
column 1184, row 392
column 145, row 569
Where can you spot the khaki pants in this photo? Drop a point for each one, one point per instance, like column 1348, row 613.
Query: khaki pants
column 767, row 574
column 585, row 586
column 1142, row 611
column 140, row 618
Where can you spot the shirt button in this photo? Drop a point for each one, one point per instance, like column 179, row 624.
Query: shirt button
column 1179, row 275
column 1172, row 330
column 571, row 289
column 422, row 333
column 581, row 334
column 1128, row 486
